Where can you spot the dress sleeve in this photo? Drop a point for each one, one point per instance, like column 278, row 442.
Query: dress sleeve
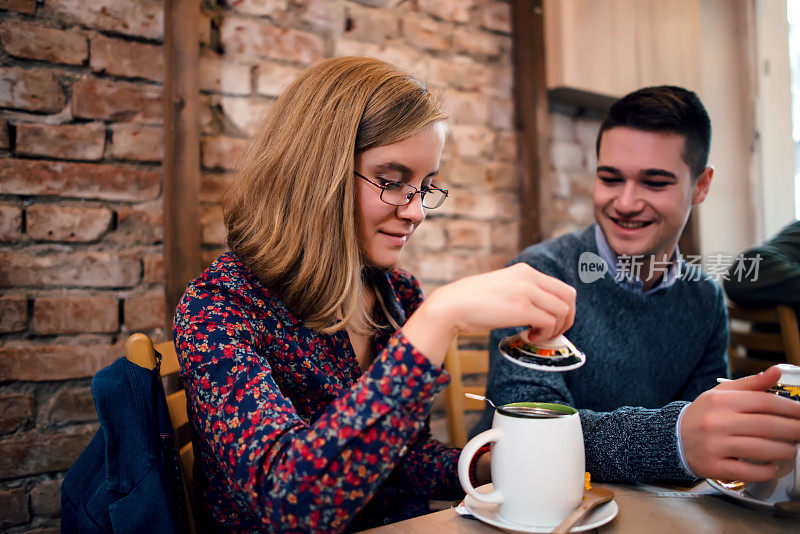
column 629, row 444
column 280, row 468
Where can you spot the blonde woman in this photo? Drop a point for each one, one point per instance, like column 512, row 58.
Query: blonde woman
column 310, row 361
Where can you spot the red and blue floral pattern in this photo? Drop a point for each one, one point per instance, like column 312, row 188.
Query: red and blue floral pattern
column 290, row 435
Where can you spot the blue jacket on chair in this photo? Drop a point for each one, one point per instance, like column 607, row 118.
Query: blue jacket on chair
column 128, row 477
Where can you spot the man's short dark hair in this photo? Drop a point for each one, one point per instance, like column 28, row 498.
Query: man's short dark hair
column 665, row 109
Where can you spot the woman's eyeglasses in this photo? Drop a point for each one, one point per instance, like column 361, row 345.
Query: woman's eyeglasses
column 400, row 194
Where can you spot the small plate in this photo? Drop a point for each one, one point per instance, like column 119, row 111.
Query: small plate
column 518, row 350
column 735, row 490
column 488, row 513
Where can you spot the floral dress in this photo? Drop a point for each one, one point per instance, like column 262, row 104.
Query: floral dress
column 290, row 435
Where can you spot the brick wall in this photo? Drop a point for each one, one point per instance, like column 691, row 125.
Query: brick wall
column 573, row 160
column 81, row 262
column 80, row 227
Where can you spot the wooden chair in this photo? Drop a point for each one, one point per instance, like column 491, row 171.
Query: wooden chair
column 460, row 362
column 140, row 350
column 784, row 342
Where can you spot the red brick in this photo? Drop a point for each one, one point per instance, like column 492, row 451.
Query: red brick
column 78, row 269
column 213, row 226
column 63, row 141
column 246, row 114
column 138, row 143
column 496, row 16
column 505, row 238
column 273, row 78
column 214, row 186
column 454, row 10
column 461, row 72
column 74, row 314
column 28, row 7
column 471, row 141
column 71, row 406
column 506, row 146
column 77, row 180
column 16, row 411
column 51, row 222
column 424, row 32
column 139, row 18
column 468, row 234
column 458, row 171
column 31, row 41
column 479, row 43
column 374, row 25
column 145, row 311
column 3, row 133
column 467, row 108
column 10, row 223
column 46, row 499
column 117, row 101
column 323, row 16
column 262, row 8
column 253, row 39
column 154, row 268
column 502, row 175
column 54, row 362
column 141, row 224
column 222, row 76
column 126, row 58
column 14, row 503
column 30, row 90
column 502, row 114
column 220, row 152
column 35, row 453
column 13, row 313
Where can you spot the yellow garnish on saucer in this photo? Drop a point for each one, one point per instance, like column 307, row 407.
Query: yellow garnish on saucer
column 587, row 481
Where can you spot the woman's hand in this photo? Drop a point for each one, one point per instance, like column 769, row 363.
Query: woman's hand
column 515, row 296
column 736, row 422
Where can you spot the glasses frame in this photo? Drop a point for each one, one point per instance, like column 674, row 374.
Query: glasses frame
column 410, row 198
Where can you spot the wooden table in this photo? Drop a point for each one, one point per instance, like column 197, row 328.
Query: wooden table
column 642, row 509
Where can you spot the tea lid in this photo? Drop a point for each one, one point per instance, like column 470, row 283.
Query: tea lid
column 790, row 374
column 557, row 354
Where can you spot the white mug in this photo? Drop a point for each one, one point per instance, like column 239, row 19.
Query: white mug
column 537, row 465
column 786, row 484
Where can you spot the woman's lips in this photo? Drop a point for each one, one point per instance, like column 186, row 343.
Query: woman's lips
column 397, row 240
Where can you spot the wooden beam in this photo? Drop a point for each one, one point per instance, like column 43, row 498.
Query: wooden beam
column 532, row 119
column 181, row 149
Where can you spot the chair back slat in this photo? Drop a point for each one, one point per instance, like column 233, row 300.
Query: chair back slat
column 176, row 404
column 187, row 461
column 461, row 362
column 169, row 358
column 784, row 342
column 139, row 350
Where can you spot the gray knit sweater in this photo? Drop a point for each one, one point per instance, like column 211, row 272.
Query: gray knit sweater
column 647, row 355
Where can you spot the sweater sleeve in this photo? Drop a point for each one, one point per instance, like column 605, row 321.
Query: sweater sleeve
column 713, row 363
column 280, row 468
column 625, row 445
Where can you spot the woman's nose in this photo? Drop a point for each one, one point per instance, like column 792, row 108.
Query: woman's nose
column 413, row 211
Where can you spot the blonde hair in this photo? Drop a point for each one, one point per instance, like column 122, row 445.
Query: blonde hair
column 290, row 213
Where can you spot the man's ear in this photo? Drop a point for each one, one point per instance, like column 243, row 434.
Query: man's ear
column 701, row 186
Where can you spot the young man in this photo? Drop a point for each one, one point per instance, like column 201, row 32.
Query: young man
column 654, row 329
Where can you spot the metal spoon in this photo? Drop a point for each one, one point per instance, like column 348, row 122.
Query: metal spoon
column 532, row 411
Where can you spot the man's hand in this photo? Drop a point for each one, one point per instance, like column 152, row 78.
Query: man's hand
column 737, row 421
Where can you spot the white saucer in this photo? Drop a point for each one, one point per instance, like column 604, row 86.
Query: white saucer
column 488, row 513
column 548, row 368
